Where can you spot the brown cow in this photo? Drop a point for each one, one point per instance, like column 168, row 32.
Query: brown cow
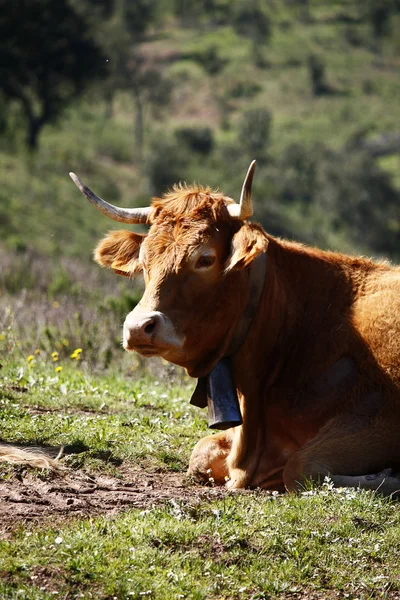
column 317, row 369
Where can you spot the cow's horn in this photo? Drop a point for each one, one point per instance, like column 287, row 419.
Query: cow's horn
column 123, row 215
column 244, row 209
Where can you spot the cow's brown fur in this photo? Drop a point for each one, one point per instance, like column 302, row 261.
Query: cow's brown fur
column 316, row 308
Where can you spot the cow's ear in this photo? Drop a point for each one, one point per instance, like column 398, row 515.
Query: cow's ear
column 246, row 245
column 119, row 251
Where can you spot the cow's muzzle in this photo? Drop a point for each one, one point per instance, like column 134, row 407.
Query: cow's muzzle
column 150, row 333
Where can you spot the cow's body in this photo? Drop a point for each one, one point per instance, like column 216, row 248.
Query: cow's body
column 318, row 373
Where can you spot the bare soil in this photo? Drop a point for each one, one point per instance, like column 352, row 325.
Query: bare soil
column 29, row 497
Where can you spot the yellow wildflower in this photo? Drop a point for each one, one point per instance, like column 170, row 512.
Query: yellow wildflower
column 76, row 354
column 37, row 351
column 55, row 358
column 58, row 369
column 29, row 358
column 54, row 354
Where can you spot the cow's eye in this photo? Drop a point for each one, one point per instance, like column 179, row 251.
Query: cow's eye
column 205, row 262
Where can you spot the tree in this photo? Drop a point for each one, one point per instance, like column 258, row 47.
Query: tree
column 250, row 20
column 47, row 58
column 255, row 132
column 122, row 34
column 316, row 68
column 138, row 16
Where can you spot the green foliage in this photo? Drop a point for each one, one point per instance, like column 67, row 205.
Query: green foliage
column 47, row 58
column 250, row 19
column 94, row 9
column 380, row 13
column 254, row 132
column 138, row 16
column 336, row 193
column 196, row 139
column 316, row 67
column 166, row 165
column 198, row 87
column 219, row 11
column 209, row 59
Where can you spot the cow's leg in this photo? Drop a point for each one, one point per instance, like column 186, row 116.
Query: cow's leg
column 209, row 458
column 387, row 482
column 351, row 454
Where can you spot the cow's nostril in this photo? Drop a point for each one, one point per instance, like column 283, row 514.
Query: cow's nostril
column 150, row 327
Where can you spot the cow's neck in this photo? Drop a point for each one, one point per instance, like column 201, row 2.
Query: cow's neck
column 308, row 293
column 270, row 321
column 256, row 285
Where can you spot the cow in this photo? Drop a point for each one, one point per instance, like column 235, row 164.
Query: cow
column 313, row 339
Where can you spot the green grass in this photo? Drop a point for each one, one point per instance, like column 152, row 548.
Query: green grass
column 147, row 422
column 245, row 545
column 252, row 546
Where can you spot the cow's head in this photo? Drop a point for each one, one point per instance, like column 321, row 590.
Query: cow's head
column 195, row 260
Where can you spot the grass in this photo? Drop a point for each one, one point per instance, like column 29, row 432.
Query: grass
column 322, row 543
column 146, row 422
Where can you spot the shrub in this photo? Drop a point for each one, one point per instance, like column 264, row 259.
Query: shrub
column 255, row 130
column 165, row 165
column 210, row 60
column 196, row 139
column 348, row 189
column 318, row 81
column 184, row 71
column 250, row 20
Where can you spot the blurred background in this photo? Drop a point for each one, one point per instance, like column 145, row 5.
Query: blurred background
column 134, row 95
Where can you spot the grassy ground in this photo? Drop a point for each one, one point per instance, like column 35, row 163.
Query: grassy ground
column 136, row 419
column 322, row 544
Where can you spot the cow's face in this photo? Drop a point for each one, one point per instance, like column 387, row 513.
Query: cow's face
column 194, row 263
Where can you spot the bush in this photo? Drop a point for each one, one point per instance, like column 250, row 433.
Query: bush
column 196, row 139
column 184, row 71
column 210, row 60
column 165, row 165
column 316, row 69
column 351, row 194
column 250, row 20
column 254, row 132
column 244, row 89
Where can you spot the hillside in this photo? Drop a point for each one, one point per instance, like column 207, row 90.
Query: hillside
column 228, row 99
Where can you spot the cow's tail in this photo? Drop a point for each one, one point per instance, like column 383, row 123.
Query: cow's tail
column 32, row 457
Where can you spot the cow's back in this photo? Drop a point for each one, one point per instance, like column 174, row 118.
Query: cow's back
column 376, row 316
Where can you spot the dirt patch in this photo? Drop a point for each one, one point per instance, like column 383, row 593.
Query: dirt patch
column 28, row 497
